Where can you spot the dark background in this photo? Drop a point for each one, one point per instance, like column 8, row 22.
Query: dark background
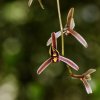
column 24, row 32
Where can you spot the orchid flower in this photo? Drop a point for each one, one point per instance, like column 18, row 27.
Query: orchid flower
column 55, row 57
column 30, row 3
column 69, row 29
column 85, row 77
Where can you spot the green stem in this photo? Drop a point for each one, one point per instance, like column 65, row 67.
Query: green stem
column 61, row 27
column 70, row 72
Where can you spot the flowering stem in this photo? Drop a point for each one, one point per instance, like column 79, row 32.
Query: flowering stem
column 61, row 27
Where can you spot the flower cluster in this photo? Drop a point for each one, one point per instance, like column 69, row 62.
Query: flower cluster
column 69, row 30
column 55, row 55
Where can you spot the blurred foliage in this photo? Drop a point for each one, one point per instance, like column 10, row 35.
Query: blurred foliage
column 23, row 35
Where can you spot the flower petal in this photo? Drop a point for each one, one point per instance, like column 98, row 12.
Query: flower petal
column 72, row 24
column 43, row 66
column 70, row 20
column 57, row 34
column 87, row 85
column 90, row 71
column 41, row 4
column 30, row 2
column 54, row 40
column 69, row 62
column 78, row 37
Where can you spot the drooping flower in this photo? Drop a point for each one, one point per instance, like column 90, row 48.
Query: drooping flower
column 30, row 3
column 55, row 57
column 85, row 77
column 69, row 29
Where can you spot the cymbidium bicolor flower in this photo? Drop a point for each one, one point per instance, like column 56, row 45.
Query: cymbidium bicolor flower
column 55, row 57
column 85, row 77
column 69, row 29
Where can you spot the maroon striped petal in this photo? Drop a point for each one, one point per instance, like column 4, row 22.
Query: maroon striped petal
column 69, row 62
column 57, row 34
column 78, row 37
column 54, row 40
column 44, row 66
column 87, row 85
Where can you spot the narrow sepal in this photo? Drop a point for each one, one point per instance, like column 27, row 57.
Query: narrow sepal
column 57, row 34
column 40, row 2
column 72, row 24
column 54, row 40
column 79, row 37
column 44, row 66
column 70, row 20
column 69, row 62
column 90, row 71
column 87, row 85
column 30, row 2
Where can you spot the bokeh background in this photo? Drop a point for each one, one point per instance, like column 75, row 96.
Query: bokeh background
column 23, row 35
